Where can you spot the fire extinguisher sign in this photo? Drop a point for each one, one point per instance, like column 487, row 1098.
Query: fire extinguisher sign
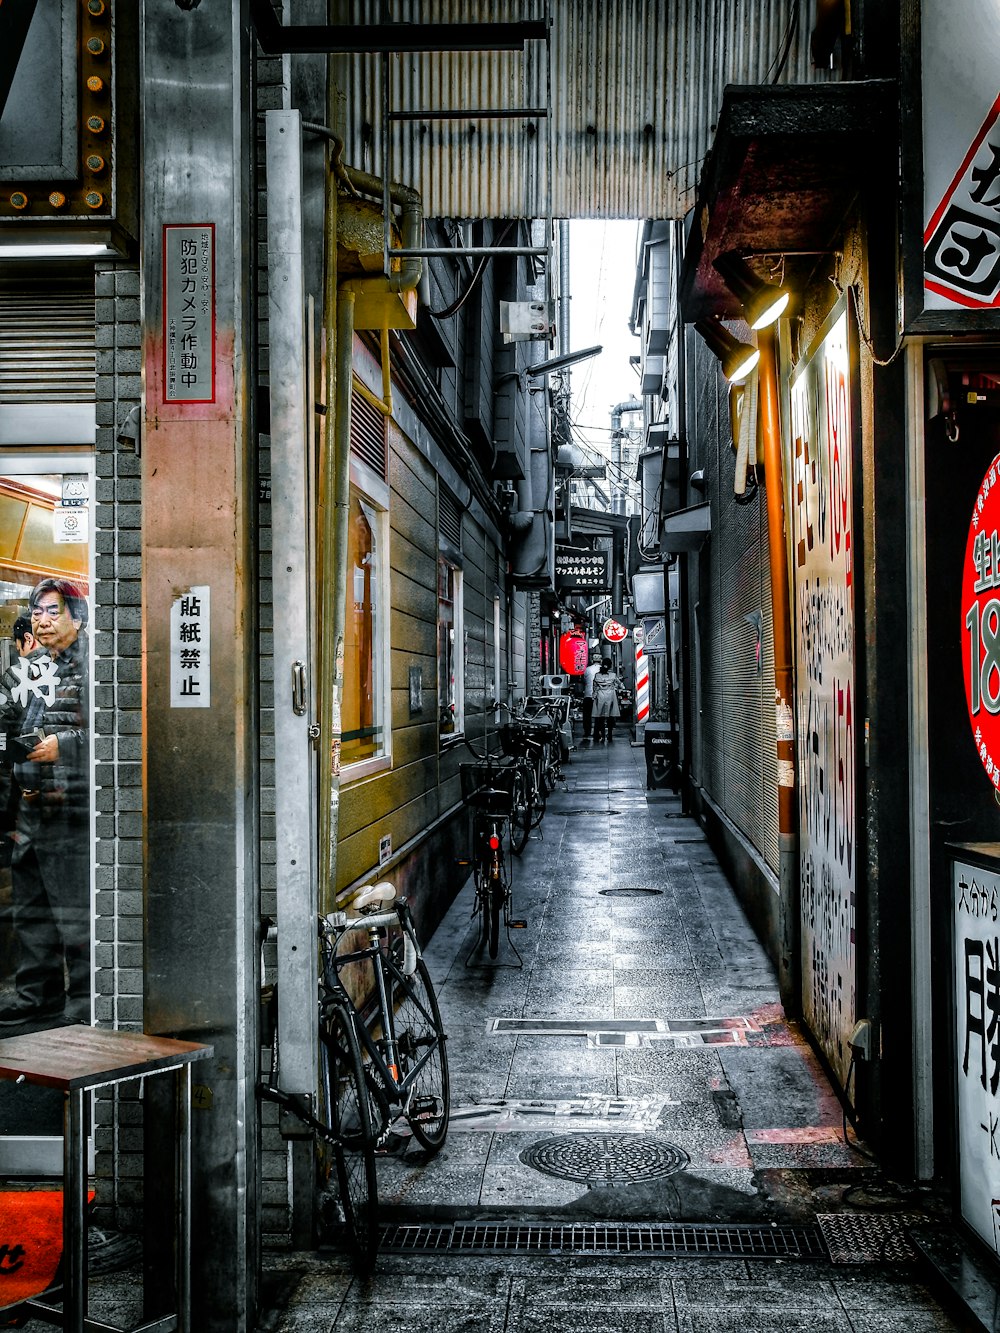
column 981, row 622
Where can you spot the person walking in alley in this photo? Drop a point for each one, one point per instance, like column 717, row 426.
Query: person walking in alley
column 587, row 697
column 606, row 686
column 45, row 725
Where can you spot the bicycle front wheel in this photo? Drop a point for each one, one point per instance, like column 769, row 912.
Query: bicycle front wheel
column 538, row 799
column 351, row 1117
column 420, row 1044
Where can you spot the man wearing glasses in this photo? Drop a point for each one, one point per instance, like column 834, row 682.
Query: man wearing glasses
column 44, row 723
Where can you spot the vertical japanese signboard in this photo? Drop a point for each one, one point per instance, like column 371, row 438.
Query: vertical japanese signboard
column 822, row 534
column 960, row 83
column 977, row 1047
column 191, row 649
column 189, row 313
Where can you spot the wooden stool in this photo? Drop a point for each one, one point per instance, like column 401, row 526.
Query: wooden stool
column 76, row 1060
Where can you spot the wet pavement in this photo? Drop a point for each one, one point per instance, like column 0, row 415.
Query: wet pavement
column 634, row 1079
column 637, row 1068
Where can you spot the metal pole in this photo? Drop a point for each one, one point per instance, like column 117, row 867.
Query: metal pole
column 74, row 1206
column 789, row 963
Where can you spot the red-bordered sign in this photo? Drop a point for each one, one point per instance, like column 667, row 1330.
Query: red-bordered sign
column 962, row 238
column 614, row 631
column 981, row 622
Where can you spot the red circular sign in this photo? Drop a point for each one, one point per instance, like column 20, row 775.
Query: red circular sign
column 614, row 631
column 981, row 622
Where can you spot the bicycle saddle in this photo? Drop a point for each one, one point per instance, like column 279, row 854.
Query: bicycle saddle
column 374, row 895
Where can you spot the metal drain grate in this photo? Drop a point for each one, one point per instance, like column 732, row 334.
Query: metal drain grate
column 869, row 1238
column 673, row 1240
column 571, row 813
column 603, row 1161
column 629, row 893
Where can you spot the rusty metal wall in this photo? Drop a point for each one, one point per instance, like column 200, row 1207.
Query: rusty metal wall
column 636, row 87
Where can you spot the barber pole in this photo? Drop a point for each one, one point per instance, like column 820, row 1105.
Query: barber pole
column 641, row 690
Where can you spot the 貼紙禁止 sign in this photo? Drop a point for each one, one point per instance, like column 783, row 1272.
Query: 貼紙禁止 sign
column 189, row 313
column 981, row 622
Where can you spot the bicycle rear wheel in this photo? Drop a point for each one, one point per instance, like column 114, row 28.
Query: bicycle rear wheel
column 520, row 812
column 420, row 1038
column 494, row 906
column 349, row 1112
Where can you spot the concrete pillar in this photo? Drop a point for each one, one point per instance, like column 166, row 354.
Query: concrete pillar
column 200, row 718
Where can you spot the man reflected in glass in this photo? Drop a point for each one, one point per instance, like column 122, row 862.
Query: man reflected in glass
column 45, row 735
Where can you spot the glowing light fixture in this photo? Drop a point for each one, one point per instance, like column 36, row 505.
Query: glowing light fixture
column 763, row 303
column 738, row 359
column 57, row 249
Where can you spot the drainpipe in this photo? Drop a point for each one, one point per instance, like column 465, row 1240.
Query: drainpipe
column 334, row 506
column 617, row 485
column 788, row 961
column 564, row 286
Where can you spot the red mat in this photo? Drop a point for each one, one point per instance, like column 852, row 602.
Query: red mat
column 30, row 1242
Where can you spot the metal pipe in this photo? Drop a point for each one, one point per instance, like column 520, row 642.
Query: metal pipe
column 788, row 961
column 564, row 286
column 329, row 767
column 402, row 196
column 466, row 251
column 474, row 113
column 328, row 39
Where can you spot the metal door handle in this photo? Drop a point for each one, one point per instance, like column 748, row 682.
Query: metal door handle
column 298, row 688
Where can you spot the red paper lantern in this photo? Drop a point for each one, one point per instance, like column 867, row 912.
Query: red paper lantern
column 573, row 653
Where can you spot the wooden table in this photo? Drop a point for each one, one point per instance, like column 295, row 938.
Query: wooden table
column 77, row 1060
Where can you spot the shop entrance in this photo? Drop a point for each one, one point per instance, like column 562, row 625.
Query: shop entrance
column 48, row 834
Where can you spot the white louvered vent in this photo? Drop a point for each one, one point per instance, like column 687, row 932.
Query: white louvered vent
column 47, row 344
column 368, row 435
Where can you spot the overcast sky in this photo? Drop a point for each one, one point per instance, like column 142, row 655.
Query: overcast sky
column 602, row 279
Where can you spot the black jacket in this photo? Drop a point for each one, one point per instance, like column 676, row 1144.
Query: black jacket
column 50, row 695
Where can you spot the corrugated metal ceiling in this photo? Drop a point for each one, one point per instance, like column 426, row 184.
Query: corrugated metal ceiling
column 634, row 89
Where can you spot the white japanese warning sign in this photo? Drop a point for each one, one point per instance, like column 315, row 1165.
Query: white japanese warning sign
column 191, row 649
column 189, row 313
column 960, row 83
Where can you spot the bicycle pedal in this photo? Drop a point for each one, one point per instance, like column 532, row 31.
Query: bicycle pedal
column 425, row 1108
column 519, row 924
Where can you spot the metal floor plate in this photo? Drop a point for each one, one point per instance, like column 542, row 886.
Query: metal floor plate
column 680, row 1239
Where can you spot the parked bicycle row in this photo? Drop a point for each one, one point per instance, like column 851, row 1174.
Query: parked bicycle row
column 382, row 1050
column 506, row 789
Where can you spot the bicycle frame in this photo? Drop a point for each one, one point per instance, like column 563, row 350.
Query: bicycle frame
column 395, row 1089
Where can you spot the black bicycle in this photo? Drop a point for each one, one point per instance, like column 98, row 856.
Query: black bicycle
column 383, row 1056
column 492, row 789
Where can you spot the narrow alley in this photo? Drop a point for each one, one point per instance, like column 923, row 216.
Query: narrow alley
column 638, row 1067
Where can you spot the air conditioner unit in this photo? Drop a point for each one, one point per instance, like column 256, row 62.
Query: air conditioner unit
column 554, row 684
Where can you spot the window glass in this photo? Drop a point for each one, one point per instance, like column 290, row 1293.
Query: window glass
column 363, row 705
column 450, row 648
column 46, row 838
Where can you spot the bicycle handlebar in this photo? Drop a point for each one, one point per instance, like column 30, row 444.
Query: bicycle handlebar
column 340, row 922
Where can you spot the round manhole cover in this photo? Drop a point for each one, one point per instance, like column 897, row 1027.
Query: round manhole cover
column 629, row 893
column 602, row 1161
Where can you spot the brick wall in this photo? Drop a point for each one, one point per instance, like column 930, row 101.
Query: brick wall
column 117, row 730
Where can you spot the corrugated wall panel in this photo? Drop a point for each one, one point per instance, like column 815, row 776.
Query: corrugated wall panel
column 737, row 752
column 636, row 87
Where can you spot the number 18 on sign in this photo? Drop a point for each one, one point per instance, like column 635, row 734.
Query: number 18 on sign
column 981, row 622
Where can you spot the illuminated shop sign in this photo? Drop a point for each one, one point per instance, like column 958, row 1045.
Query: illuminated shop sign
column 583, row 570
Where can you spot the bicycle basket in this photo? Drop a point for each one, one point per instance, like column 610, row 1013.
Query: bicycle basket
column 487, row 788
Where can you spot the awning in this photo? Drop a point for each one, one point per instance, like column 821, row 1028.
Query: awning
column 783, row 173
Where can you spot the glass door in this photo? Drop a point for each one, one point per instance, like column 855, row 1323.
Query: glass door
column 46, row 777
